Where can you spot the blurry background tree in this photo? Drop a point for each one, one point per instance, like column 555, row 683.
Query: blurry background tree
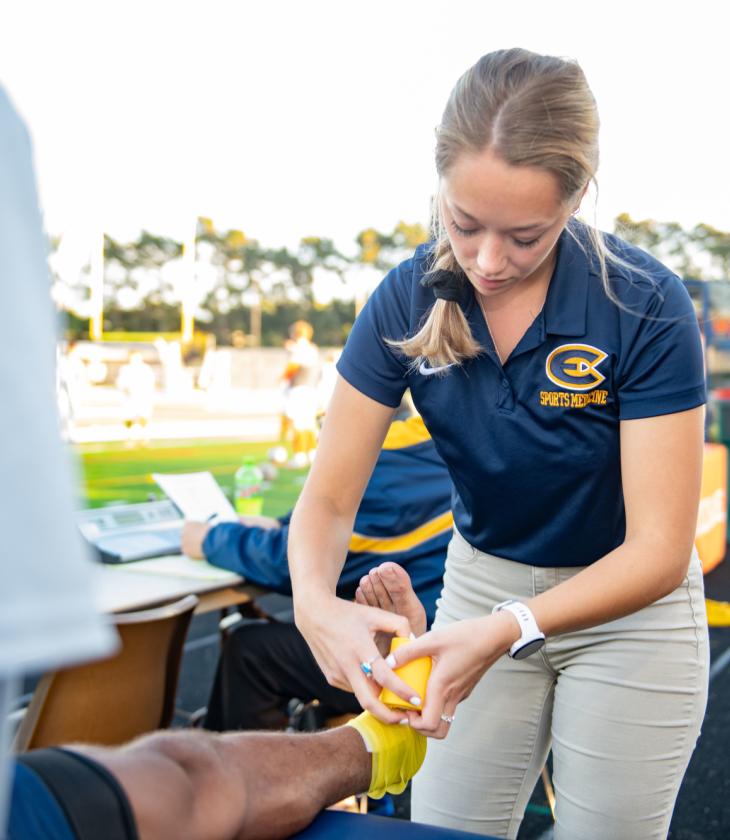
column 701, row 253
column 140, row 277
column 385, row 250
column 251, row 290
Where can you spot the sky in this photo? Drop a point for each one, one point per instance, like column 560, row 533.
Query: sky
column 291, row 119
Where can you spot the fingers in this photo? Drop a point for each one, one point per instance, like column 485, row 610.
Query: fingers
column 367, row 690
column 423, row 646
column 431, row 722
column 385, row 677
column 387, row 622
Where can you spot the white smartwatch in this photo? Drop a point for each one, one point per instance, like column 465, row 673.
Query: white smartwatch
column 531, row 637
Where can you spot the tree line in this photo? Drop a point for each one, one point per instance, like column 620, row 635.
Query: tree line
column 245, row 292
column 240, row 286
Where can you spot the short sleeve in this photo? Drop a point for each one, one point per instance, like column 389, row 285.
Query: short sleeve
column 662, row 367
column 368, row 362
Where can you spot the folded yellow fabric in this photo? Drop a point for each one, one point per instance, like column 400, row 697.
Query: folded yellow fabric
column 397, row 750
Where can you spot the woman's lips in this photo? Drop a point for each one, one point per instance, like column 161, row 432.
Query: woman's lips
column 490, row 281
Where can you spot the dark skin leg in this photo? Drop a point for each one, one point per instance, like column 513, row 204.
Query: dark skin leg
column 195, row 785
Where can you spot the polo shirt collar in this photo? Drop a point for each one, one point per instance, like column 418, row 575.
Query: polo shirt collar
column 567, row 296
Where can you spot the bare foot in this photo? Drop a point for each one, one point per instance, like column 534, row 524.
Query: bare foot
column 388, row 586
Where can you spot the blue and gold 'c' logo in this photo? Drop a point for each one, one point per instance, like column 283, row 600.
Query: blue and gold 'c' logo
column 573, row 366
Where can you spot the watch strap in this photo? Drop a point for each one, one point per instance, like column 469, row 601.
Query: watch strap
column 531, row 637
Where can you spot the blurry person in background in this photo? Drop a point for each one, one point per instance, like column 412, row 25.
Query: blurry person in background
column 301, row 376
column 136, row 380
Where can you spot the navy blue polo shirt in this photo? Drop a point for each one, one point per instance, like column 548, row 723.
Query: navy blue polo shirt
column 533, row 447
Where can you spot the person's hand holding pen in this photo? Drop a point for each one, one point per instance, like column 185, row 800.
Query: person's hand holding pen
column 194, row 533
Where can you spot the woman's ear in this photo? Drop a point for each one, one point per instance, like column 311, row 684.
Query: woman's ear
column 579, row 200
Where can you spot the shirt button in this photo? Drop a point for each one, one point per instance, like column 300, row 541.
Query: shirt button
column 505, row 383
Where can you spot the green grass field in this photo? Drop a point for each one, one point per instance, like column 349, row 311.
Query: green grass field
column 112, row 473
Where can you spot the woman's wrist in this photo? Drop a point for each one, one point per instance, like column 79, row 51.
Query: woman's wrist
column 311, row 598
column 507, row 627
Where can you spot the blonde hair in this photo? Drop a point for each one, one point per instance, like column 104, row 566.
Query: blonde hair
column 301, row 329
column 530, row 110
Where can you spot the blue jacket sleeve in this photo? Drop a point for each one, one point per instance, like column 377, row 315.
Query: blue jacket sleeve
column 258, row 554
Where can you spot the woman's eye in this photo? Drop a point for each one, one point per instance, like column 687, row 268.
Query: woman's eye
column 527, row 244
column 463, row 231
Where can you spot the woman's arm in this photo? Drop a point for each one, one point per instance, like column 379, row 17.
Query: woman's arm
column 661, row 470
column 340, row 633
column 661, row 465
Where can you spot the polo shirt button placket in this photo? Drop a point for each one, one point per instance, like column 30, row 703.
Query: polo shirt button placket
column 505, row 400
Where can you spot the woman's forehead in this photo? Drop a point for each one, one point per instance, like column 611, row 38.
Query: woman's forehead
column 482, row 187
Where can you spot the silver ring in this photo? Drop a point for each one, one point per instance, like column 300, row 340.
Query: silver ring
column 367, row 668
column 448, row 718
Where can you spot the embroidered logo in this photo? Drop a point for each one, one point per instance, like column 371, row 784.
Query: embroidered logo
column 424, row 370
column 574, row 366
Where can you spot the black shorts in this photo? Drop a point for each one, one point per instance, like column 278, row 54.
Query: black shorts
column 89, row 796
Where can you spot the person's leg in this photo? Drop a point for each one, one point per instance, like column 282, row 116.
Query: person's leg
column 197, row 784
column 629, row 703
column 262, row 666
column 480, row 777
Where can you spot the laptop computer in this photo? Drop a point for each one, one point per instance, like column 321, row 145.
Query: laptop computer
column 125, row 533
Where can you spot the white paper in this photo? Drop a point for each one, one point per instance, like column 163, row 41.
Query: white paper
column 198, row 495
column 178, row 565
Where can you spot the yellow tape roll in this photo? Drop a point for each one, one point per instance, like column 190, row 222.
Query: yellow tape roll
column 415, row 674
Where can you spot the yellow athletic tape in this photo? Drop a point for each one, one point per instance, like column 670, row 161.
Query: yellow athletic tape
column 397, row 751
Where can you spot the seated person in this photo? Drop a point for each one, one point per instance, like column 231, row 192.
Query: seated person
column 200, row 785
column 404, row 517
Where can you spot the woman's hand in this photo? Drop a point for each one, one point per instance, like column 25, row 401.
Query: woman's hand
column 461, row 653
column 341, row 635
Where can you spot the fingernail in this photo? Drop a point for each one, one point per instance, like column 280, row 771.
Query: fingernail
column 390, row 660
column 415, row 701
column 412, row 636
column 403, row 722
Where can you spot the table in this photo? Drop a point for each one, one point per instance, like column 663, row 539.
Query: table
column 135, row 586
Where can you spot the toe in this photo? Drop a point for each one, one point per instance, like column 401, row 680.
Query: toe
column 381, row 593
column 366, row 587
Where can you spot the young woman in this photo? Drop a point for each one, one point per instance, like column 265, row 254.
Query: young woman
column 560, row 374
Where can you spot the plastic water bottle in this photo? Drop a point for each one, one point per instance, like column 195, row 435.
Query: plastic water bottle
column 247, row 488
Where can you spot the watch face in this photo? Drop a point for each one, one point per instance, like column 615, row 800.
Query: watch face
column 528, row 649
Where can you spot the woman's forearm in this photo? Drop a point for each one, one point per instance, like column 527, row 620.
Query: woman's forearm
column 321, row 525
column 319, row 535
column 632, row 576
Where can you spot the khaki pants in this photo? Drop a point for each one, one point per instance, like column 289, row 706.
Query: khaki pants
column 620, row 704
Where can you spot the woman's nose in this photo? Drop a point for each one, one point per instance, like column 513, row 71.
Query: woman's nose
column 491, row 257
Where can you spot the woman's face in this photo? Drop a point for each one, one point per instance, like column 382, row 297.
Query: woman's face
column 502, row 221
